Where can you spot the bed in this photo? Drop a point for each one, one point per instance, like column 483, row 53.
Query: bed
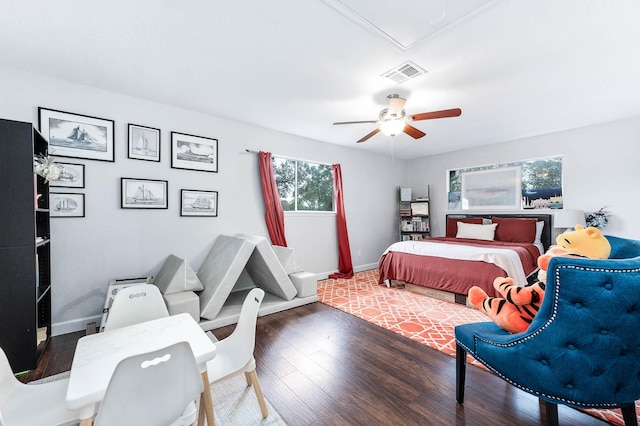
column 476, row 250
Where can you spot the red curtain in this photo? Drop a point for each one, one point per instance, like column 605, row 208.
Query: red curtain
column 344, row 250
column 274, row 215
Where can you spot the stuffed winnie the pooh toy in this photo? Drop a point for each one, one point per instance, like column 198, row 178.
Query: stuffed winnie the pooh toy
column 518, row 305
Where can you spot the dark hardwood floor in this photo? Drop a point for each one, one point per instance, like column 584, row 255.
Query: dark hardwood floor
column 320, row 366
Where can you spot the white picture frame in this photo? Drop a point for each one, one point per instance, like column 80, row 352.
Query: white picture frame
column 405, row 194
column 420, row 208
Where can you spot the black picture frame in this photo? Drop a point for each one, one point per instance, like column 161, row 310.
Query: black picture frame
column 192, row 152
column 144, row 193
column 198, row 203
column 62, row 204
column 143, row 143
column 76, row 135
column 72, row 176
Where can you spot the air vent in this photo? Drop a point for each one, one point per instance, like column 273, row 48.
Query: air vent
column 404, row 72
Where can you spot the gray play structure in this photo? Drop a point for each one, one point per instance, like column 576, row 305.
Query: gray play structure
column 235, row 264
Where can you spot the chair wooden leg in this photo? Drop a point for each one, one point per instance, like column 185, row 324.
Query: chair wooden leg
column 256, row 387
column 206, row 402
column 247, row 378
column 461, row 369
column 201, row 413
column 549, row 411
column 629, row 415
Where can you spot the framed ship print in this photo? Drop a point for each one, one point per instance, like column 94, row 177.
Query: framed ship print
column 71, row 176
column 144, row 143
column 143, row 193
column 198, row 203
column 194, row 152
column 76, row 135
column 66, row 205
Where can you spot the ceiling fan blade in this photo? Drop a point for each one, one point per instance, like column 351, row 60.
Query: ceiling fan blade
column 355, row 122
column 369, row 135
column 413, row 132
column 437, row 114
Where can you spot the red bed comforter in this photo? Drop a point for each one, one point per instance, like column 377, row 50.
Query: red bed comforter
column 453, row 275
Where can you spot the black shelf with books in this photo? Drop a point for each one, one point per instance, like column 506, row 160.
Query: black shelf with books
column 413, row 215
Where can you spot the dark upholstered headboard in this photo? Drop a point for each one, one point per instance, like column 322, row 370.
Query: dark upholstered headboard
column 547, row 218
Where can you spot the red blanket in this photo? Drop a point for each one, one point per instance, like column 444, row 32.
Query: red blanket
column 453, row 275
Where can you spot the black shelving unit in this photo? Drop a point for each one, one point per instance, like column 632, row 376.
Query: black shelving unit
column 414, row 223
column 25, row 247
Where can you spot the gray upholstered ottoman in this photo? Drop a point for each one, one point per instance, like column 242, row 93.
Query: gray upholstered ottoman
column 183, row 302
column 305, row 283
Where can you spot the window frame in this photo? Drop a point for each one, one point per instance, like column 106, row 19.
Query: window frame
column 296, row 211
column 455, row 204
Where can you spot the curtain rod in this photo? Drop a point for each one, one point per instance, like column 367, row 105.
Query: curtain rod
column 291, row 158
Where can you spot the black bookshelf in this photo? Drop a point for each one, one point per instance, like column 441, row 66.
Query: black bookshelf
column 25, row 247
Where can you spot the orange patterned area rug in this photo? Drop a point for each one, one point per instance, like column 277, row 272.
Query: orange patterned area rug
column 424, row 319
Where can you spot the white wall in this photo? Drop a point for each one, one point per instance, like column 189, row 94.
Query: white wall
column 600, row 168
column 111, row 242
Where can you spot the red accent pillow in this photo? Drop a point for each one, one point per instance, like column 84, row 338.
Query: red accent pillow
column 452, row 224
column 515, row 230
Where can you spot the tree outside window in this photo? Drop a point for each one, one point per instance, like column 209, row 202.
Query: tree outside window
column 304, row 186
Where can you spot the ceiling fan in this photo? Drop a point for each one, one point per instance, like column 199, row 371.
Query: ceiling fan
column 394, row 119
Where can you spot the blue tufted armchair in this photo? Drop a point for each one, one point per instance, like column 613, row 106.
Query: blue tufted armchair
column 582, row 348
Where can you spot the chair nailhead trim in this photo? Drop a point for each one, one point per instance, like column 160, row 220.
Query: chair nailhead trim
column 545, row 325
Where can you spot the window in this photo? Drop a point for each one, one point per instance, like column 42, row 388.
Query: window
column 541, row 182
column 304, row 186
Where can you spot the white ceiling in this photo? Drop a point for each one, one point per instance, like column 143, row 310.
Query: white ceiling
column 515, row 68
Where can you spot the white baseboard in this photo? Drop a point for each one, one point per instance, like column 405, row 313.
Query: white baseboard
column 81, row 323
column 365, row 267
column 359, row 268
column 74, row 325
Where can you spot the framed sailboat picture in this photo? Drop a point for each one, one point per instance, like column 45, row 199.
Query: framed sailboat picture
column 76, row 135
column 144, row 143
column 66, row 205
column 143, row 193
column 71, row 176
column 194, row 152
column 198, row 203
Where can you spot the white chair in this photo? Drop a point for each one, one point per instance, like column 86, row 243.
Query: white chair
column 234, row 354
column 34, row 405
column 135, row 304
column 140, row 303
column 152, row 389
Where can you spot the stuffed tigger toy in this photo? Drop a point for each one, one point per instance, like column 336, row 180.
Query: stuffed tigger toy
column 517, row 307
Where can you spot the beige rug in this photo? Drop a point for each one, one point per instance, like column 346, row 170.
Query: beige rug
column 234, row 403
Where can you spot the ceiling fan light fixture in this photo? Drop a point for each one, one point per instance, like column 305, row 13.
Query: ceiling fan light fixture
column 396, row 104
column 393, row 126
column 394, row 119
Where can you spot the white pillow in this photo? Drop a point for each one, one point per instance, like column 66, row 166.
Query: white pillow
column 539, row 227
column 477, row 232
